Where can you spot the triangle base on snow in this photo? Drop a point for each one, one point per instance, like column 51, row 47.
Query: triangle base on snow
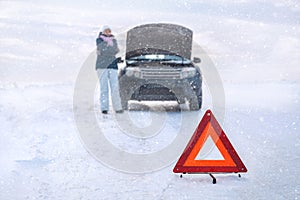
column 193, row 160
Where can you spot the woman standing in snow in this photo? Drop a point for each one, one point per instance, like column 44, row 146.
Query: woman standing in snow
column 107, row 70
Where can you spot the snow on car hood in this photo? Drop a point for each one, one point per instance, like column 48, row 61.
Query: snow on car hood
column 159, row 38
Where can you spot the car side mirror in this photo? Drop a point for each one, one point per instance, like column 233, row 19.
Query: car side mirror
column 120, row 60
column 196, row 60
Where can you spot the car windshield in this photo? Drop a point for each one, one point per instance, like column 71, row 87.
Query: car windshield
column 162, row 58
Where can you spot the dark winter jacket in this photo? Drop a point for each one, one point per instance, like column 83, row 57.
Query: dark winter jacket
column 107, row 48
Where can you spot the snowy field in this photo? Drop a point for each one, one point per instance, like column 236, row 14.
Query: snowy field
column 254, row 45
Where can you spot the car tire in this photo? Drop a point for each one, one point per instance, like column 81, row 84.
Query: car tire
column 124, row 102
column 125, row 105
column 196, row 104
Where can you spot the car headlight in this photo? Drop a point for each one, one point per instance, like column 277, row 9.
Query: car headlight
column 188, row 72
column 130, row 71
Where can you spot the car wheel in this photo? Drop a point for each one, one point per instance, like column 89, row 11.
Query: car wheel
column 196, row 104
column 125, row 105
column 124, row 99
column 124, row 102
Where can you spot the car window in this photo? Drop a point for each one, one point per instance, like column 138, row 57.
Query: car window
column 158, row 58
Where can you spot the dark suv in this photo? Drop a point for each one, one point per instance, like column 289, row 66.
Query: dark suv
column 159, row 67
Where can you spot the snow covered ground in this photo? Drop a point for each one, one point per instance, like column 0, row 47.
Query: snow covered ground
column 254, row 45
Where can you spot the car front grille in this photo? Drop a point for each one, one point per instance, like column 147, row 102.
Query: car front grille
column 160, row 73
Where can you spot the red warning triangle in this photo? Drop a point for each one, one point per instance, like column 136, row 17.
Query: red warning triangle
column 209, row 128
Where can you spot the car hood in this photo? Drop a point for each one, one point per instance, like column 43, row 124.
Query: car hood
column 159, row 39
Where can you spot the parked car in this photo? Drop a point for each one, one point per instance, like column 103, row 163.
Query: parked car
column 158, row 66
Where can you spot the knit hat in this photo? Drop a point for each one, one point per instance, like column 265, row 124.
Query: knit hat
column 105, row 27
